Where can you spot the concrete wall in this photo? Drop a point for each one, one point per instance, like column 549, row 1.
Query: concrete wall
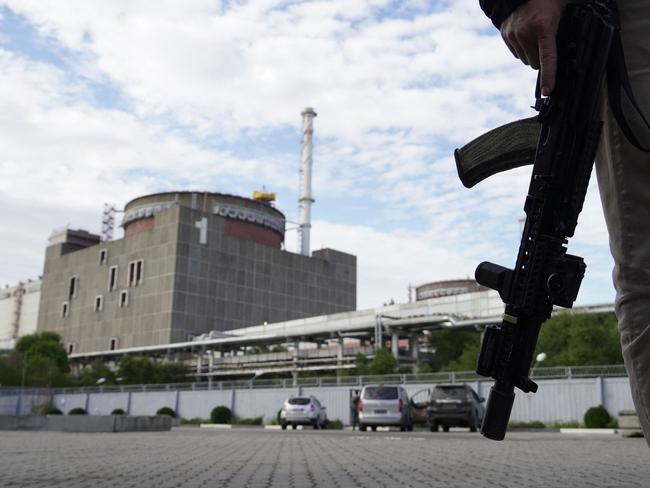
column 230, row 283
column 557, row 400
column 87, row 424
column 18, row 302
column 147, row 318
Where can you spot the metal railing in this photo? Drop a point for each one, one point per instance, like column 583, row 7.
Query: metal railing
column 568, row 372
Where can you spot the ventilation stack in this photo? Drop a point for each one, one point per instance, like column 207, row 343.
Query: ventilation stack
column 305, row 197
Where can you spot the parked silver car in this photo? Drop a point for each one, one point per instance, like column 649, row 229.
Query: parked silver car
column 303, row 410
column 384, row 405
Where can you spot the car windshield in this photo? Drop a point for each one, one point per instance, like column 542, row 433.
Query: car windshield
column 380, row 393
column 453, row 392
column 299, row 401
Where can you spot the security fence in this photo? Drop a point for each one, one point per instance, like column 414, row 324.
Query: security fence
column 562, row 372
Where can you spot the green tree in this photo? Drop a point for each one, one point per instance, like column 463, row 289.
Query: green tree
column 382, row 363
column 40, row 358
column 171, row 373
column 467, row 359
column 10, row 370
column 449, row 345
column 361, row 362
column 95, row 372
column 142, row 370
column 136, row 370
column 44, row 345
column 580, row 339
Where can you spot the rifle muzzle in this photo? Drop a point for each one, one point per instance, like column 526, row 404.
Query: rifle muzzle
column 497, row 412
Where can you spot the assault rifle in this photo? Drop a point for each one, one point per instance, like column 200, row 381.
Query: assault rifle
column 561, row 143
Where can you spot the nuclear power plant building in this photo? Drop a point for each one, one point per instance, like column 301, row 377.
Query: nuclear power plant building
column 189, row 263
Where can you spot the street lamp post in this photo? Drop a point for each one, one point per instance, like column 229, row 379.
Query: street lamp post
column 22, row 385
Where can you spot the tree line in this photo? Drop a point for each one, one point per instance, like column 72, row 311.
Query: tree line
column 567, row 340
column 41, row 360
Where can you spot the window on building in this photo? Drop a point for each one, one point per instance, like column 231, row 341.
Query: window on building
column 72, row 287
column 112, row 278
column 124, row 298
column 103, row 257
column 99, row 303
column 65, row 309
column 72, row 347
column 112, row 344
column 136, row 273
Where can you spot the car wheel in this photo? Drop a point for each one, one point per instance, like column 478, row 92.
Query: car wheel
column 283, row 425
column 294, row 426
column 445, row 428
column 362, row 427
column 433, row 427
column 315, row 425
column 374, row 428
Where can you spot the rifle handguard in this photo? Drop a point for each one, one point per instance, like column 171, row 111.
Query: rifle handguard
column 506, row 147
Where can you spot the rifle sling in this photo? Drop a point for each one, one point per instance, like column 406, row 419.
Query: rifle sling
column 618, row 82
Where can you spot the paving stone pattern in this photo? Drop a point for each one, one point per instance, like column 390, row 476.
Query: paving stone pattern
column 192, row 458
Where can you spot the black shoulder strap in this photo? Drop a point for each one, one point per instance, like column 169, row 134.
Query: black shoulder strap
column 619, row 83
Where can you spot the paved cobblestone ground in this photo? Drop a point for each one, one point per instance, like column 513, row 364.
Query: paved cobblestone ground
column 191, row 457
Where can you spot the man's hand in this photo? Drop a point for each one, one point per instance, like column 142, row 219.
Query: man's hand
column 530, row 31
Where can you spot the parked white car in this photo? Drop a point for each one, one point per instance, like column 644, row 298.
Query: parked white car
column 303, row 410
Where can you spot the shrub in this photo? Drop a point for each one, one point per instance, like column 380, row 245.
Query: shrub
column 78, row 411
column 221, row 415
column 118, row 411
column 166, row 411
column 334, row 424
column 46, row 409
column 597, row 417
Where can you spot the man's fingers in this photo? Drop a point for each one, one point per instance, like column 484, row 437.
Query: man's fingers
column 548, row 64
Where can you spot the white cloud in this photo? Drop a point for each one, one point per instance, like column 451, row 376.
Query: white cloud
column 201, row 79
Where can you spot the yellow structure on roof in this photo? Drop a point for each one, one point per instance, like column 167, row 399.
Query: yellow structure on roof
column 261, row 196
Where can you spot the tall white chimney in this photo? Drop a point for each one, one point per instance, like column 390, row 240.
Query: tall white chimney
column 305, row 198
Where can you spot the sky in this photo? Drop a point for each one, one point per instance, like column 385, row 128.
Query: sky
column 106, row 101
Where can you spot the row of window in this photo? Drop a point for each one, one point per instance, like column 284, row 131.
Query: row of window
column 112, row 345
column 135, row 277
column 99, row 303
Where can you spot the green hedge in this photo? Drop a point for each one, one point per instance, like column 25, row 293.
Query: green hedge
column 118, row 411
column 335, row 424
column 221, row 415
column 166, row 411
column 597, row 417
column 78, row 411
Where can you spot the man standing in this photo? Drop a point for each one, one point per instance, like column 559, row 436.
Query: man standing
column 529, row 29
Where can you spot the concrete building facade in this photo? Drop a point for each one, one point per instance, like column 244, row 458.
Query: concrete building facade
column 189, row 263
column 18, row 311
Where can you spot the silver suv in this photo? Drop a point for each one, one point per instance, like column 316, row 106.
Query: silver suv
column 303, row 410
column 383, row 406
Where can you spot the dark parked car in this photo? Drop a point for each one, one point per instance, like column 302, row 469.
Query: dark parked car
column 455, row 405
